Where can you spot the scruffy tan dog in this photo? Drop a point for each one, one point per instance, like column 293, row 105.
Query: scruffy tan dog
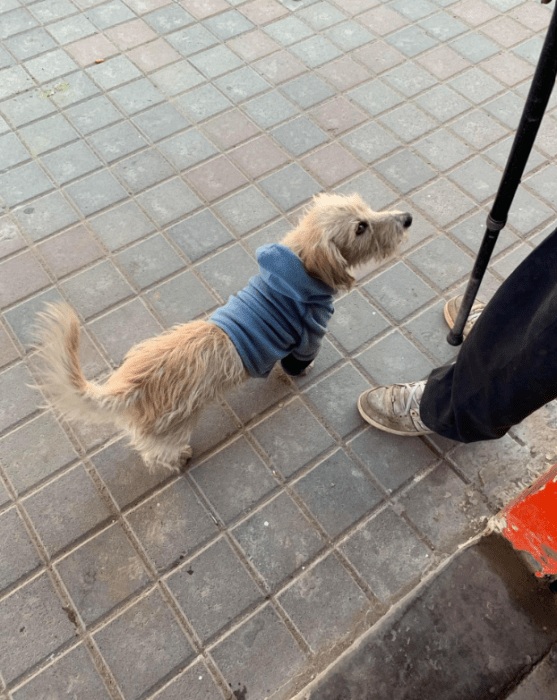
column 158, row 392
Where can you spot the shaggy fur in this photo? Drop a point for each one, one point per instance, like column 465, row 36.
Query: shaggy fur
column 158, row 392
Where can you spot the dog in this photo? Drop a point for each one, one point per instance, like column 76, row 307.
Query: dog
column 158, row 392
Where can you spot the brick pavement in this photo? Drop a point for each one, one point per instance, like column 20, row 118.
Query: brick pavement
column 138, row 188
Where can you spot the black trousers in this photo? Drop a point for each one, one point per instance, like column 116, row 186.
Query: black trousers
column 507, row 366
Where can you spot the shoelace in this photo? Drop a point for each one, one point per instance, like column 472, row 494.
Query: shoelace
column 412, row 397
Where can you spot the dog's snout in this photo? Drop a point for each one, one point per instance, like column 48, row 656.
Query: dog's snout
column 406, row 220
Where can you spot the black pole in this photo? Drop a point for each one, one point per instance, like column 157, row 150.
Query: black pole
column 534, row 109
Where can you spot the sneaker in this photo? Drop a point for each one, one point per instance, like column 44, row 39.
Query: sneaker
column 451, row 312
column 394, row 409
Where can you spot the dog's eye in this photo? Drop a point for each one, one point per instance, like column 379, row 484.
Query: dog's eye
column 362, row 226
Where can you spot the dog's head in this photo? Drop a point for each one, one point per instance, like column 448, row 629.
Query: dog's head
column 338, row 233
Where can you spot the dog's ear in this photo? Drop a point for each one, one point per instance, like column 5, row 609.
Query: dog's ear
column 329, row 265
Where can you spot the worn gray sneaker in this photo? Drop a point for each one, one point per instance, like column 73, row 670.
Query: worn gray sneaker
column 394, row 409
column 451, row 312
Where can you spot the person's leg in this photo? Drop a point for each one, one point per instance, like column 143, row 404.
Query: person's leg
column 506, row 368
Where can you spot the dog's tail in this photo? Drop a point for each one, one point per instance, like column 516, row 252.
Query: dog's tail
column 61, row 378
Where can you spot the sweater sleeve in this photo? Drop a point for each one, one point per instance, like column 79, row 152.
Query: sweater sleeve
column 315, row 327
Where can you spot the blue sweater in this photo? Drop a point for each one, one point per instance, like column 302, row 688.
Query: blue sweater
column 282, row 311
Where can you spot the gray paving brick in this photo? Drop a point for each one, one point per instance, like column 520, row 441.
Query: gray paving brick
column 136, row 96
column 30, row 44
column 307, row 91
column 54, row 679
column 20, row 276
column 196, row 683
column 395, row 359
column 213, row 589
column 277, row 540
column 242, row 84
column 349, row 35
column 93, row 114
column 150, row 261
column 470, row 232
column 390, row 458
column 121, row 225
column 18, row 555
column 264, row 665
column 430, row 329
column 143, row 170
column 510, row 262
column 507, row 108
column 478, row 178
column 273, row 233
column 375, row 97
column 177, row 78
column 444, row 509
column 50, row 10
column 321, row 15
column 114, row 72
column 530, row 50
column 186, row 234
column 290, row 186
column 228, row 24
column 371, row 189
column 234, row 480
column 270, row 109
column 417, row 10
column 12, row 151
column 24, row 183
column 181, row 299
column 66, row 509
column 203, row 103
column 14, row 80
column 409, row 79
column 443, row 103
column 170, row 201
column 71, row 162
column 214, row 427
column 95, row 573
column 287, row 31
column 117, row 141
column 299, row 136
column 411, row 41
column 22, row 317
column 73, row 88
column 292, row 437
column 527, row 212
column 167, row 19
column 50, row 66
column 280, row 67
column 45, row 216
column 97, row 288
column 335, row 398
column 476, row 86
column 399, row 291
column 370, row 142
column 543, row 183
column 147, row 636
column 253, row 397
column 443, row 202
column 474, row 47
column 25, row 108
column 441, row 261
column 387, row 554
column 443, row 26
column 161, row 121
column 337, row 493
column 71, row 29
column 124, row 473
column 171, row 524
column 10, row 238
column 407, row 122
column 47, row 134
column 96, row 192
column 16, row 21
column 191, row 40
column 121, row 329
column 324, row 603
column 188, row 149
column 32, row 626
column 442, row 149
column 315, row 51
column 109, row 14
column 405, row 171
column 216, row 61
column 356, row 321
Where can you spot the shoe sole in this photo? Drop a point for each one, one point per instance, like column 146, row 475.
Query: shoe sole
column 448, row 319
column 375, row 424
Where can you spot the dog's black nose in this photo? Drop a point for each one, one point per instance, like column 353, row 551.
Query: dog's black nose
column 407, row 220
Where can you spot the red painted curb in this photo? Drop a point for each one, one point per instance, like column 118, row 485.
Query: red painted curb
column 530, row 522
